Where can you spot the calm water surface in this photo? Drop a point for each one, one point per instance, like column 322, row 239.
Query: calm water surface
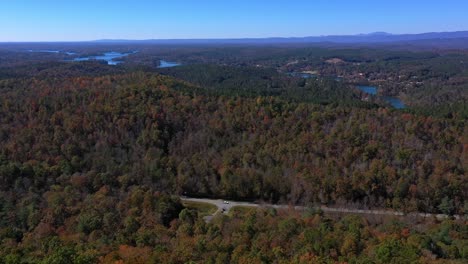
column 53, row 51
column 395, row 102
column 110, row 57
column 304, row 75
column 167, row 64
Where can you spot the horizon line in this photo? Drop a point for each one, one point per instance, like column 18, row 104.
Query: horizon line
column 375, row 33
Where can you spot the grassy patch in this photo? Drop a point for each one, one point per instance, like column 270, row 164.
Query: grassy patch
column 203, row 209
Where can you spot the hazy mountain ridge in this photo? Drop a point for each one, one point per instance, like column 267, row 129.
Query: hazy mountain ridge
column 375, row 37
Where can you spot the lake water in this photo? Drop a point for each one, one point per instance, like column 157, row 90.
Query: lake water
column 307, row 75
column 108, row 56
column 53, row 51
column 167, row 64
column 304, row 75
column 368, row 89
column 395, row 102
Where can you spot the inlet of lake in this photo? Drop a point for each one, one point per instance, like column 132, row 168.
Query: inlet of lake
column 393, row 101
column 111, row 58
column 308, row 75
column 53, row 51
column 304, row 75
column 167, row 64
column 107, row 56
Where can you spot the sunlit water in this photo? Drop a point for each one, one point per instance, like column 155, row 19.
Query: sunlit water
column 395, row 102
column 167, row 64
column 110, row 57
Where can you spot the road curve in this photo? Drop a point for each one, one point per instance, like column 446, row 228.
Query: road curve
column 224, row 207
column 220, row 204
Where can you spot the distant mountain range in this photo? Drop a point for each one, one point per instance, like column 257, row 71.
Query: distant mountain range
column 376, row 37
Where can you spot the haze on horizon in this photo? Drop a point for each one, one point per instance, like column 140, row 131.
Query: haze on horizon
column 53, row 20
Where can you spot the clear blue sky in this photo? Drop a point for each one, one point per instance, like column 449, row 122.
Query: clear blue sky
column 68, row 20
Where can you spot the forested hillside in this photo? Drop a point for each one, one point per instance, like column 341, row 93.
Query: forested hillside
column 148, row 129
column 93, row 158
column 233, row 132
column 253, row 81
column 87, row 165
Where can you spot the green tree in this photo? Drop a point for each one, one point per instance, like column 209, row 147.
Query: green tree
column 394, row 251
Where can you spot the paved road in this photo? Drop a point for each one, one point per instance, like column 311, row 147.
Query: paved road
column 221, row 204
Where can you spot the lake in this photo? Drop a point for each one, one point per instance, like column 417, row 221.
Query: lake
column 304, row 75
column 167, row 64
column 308, row 75
column 109, row 57
column 393, row 101
column 53, row 51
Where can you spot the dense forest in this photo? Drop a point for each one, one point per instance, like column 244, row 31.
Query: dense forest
column 149, row 129
column 93, row 159
column 248, row 81
column 431, row 81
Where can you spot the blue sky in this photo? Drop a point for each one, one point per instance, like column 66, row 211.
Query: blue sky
column 68, row 20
